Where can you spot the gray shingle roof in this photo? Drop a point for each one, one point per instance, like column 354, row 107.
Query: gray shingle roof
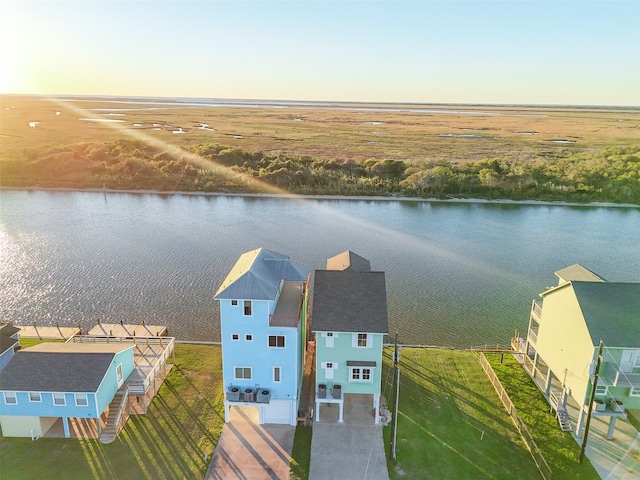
column 257, row 275
column 611, row 311
column 59, row 367
column 7, row 329
column 349, row 301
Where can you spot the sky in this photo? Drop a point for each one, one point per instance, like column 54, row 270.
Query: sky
column 480, row 52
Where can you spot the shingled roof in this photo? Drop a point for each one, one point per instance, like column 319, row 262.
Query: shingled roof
column 257, row 275
column 611, row 311
column 59, row 367
column 349, row 301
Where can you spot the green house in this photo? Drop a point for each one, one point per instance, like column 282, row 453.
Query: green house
column 349, row 320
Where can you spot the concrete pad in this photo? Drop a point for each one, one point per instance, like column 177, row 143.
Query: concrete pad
column 617, row 459
column 247, row 450
column 342, row 450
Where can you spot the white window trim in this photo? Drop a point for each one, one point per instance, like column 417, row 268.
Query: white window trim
column 360, row 380
column 39, row 397
column 329, row 367
column 329, row 339
column 634, row 392
column 243, row 368
column 64, row 399
column 231, row 302
column 244, row 308
column 248, row 337
column 10, row 398
column 86, row 400
column 279, row 369
column 354, row 340
column 235, row 339
column 599, row 392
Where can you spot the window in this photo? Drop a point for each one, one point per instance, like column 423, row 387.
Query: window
column 361, row 374
column 58, row 399
column 361, row 340
column 248, row 337
column 328, row 339
column 10, row 398
column 82, row 400
column 635, row 392
column 235, row 336
column 242, row 373
column 247, row 308
column 328, row 367
column 601, row 390
column 119, row 372
column 234, row 303
column 35, row 397
column 276, row 375
column 276, row 341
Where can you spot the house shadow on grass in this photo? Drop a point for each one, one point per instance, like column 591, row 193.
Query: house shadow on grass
column 451, row 423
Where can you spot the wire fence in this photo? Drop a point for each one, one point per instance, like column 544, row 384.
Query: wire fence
column 536, row 454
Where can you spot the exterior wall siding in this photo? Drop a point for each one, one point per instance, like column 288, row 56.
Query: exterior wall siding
column 46, row 407
column 109, row 385
column 256, row 353
column 564, row 342
column 343, row 351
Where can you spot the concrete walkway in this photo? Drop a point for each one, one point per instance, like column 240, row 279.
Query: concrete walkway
column 250, row 451
column 353, row 449
column 617, row 459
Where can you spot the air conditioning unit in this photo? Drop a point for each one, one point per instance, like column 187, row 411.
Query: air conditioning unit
column 233, row 394
column 249, row 394
column 263, row 396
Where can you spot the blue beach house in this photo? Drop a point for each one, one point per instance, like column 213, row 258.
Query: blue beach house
column 263, row 328
column 49, row 382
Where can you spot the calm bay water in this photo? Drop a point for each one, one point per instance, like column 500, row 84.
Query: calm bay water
column 457, row 274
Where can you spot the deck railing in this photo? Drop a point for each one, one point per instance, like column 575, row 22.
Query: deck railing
column 536, row 309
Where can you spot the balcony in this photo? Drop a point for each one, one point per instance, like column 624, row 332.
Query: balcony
column 532, row 335
column 536, row 310
column 613, row 377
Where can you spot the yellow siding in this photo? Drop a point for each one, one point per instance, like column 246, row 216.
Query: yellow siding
column 564, row 341
column 21, row 426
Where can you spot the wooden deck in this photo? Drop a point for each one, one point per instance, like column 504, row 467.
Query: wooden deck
column 49, row 333
column 127, row 330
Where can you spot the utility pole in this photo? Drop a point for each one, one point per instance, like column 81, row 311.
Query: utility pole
column 591, row 398
column 396, row 389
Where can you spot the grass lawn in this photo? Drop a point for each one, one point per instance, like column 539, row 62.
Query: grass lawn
column 451, row 423
column 182, row 425
column 301, row 454
column 559, row 448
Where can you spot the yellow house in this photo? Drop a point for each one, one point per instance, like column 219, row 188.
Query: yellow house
column 562, row 343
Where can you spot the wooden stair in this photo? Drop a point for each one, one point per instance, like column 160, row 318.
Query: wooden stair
column 116, row 407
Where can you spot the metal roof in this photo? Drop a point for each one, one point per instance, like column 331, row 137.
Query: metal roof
column 59, row 367
column 577, row 272
column 257, row 275
column 349, row 301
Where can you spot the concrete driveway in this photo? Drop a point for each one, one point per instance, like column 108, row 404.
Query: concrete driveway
column 350, row 450
column 247, row 450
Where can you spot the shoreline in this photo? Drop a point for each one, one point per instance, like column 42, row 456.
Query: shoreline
column 293, row 196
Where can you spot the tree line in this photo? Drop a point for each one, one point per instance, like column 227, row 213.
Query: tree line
column 606, row 175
